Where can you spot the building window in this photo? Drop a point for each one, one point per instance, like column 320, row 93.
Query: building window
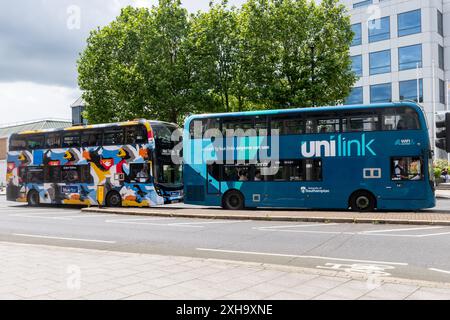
column 408, row 90
column 357, row 67
column 357, row 37
column 381, row 93
column 364, row 3
column 410, row 57
column 356, row 96
column 380, row 62
column 442, row 91
column 441, row 57
column 379, row 29
column 409, row 23
column 440, row 22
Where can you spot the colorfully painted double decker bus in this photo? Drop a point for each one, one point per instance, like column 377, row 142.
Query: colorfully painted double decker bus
column 346, row 157
column 122, row 164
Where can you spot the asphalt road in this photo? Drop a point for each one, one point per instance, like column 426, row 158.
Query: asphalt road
column 412, row 252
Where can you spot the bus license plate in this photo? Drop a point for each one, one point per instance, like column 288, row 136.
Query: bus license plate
column 69, row 189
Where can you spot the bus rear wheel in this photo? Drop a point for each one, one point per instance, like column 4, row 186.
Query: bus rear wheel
column 233, row 200
column 362, row 201
column 33, row 198
column 114, row 199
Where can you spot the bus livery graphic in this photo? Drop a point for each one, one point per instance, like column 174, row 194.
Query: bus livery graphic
column 67, row 166
column 338, row 147
column 362, row 157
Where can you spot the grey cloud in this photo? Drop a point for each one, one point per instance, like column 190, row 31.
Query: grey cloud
column 37, row 46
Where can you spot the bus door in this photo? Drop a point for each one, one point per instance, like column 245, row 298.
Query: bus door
column 407, row 178
column 213, row 179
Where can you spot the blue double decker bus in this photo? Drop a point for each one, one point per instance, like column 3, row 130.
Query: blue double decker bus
column 364, row 158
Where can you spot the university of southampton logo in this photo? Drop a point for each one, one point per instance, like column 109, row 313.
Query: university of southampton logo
column 338, row 146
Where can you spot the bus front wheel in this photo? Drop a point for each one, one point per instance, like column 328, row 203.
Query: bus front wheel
column 33, row 198
column 113, row 199
column 233, row 200
column 362, row 201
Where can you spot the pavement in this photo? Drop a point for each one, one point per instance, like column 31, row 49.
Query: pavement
column 47, row 272
column 426, row 217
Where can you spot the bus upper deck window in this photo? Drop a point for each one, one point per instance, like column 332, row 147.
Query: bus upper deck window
column 91, row 138
column 53, row 141
column 71, row 141
column 135, row 135
column 400, row 119
column 35, row 142
column 113, row 137
column 17, row 143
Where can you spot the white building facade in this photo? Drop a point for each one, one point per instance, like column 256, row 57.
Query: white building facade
column 396, row 45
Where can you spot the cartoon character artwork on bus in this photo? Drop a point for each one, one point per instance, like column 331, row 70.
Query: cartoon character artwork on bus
column 72, row 175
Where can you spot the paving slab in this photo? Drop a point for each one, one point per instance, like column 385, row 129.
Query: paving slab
column 233, row 280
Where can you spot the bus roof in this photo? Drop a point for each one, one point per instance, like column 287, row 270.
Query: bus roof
column 316, row 109
column 96, row 126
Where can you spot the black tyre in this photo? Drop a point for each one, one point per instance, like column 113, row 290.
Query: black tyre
column 33, row 198
column 233, row 200
column 363, row 201
column 114, row 199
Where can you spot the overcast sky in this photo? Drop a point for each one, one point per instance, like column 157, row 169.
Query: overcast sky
column 40, row 41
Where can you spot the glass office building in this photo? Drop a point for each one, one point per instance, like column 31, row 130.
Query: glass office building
column 396, row 44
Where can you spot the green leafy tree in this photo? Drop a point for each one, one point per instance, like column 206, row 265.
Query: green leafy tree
column 139, row 66
column 162, row 63
column 299, row 52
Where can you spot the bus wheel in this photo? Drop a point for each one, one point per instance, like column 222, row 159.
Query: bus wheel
column 114, row 199
column 362, row 201
column 33, row 198
column 233, row 200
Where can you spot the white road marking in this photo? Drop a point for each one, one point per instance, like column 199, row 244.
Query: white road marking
column 305, row 231
column 433, row 234
column 85, row 216
column 173, row 224
column 40, row 217
column 400, row 230
column 298, row 226
column 60, row 238
column 303, row 257
column 207, row 222
column 153, row 224
column 380, row 233
column 439, row 270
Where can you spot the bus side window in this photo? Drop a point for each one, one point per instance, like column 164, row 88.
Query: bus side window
column 113, row 137
column 400, row 119
column 35, row 175
column 17, row 143
column 53, row 141
column 70, row 174
column 85, row 174
column 214, row 170
column 71, row 140
column 139, row 173
column 91, row 138
column 135, row 135
column 406, row 168
column 287, row 125
column 35, row 142
column 360, row 122
column 52, row 174
column 328, row 125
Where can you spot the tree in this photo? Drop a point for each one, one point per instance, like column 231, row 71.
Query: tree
column 218, row 52
column 139, row 66
column 299, row 52
column 163, row 63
